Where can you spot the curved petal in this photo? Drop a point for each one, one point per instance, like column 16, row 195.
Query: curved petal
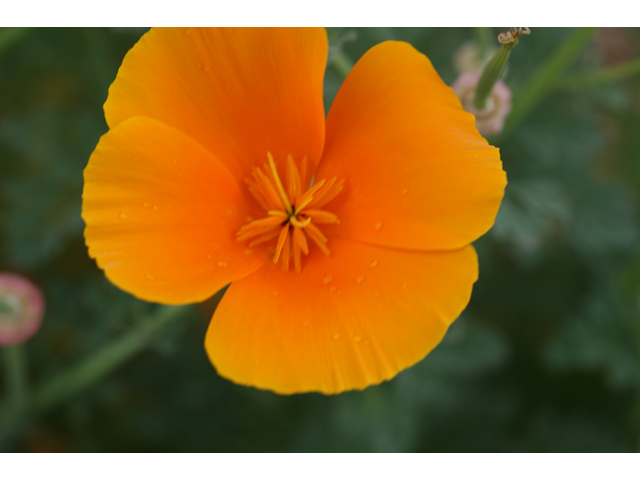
column 417, row 173
column 238, row 92
column 162, row 213
column 347, row 321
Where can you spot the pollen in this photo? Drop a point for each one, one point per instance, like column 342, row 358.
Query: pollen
column 293, row 211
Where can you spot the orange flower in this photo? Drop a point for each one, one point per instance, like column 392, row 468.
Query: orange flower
column 216, row 135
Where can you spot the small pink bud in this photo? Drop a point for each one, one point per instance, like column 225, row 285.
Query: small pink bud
column 490, row 120
column 21, row 309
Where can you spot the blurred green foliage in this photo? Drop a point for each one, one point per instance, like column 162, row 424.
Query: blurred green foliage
column 545, row 358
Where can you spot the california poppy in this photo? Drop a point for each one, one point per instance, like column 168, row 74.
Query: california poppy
column 216, row 135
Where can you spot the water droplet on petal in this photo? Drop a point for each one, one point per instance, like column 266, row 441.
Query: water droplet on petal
column 379, row 226
column 376, row 295
column 274, row 294
column 149, row 276
column 155, row 207
column 357, row 339
column 405, row 191
column 187, row 32
column 305, row 324
column 360, row 279
column 123, row 215
column 333, row 288
column 209, row 256
column 258, row 361
column 248, row 252
column 336, row 337
column 222, row 264
column 328, row 278
column 146, row 204
column 374, row 263
column 404, row 285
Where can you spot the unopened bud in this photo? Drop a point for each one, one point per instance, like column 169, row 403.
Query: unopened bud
column 490, row 119
column 21, row 309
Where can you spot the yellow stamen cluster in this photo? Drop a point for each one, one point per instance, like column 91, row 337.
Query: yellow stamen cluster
column 291, row 214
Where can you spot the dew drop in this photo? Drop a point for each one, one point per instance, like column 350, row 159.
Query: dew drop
column 336, row 337
column 258, row 361
column 274, row 294
column 206, row 69
column 328, row 278
column 305, row 324
column 376, row 295
column 187, row 32
column 209, row 256
column 155, row 207
column 123, row 215
column 146, row 204
column 248, row 252
column 405, row 191
column 149, row 276
column 222, row 264
column 357, row 339
column 333, row 288
column 379, row 226
column 374, row 263
column 199, row 65
column 360, row 279
column 404, row 285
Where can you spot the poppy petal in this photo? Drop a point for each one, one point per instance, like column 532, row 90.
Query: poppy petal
column 239, row 92
column 162, row 215
column 346, row 321
column 417, row 173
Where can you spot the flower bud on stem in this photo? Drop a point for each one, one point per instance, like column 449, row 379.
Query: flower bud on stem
column 492, row 72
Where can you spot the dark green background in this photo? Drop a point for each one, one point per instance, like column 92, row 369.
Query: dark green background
column 545, row 358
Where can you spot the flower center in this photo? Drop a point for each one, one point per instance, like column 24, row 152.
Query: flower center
column 292, row 215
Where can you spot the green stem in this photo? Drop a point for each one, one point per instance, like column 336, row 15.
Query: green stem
column 92, row 369
column 104, row 361
column 9, row 36
column 341, row 63
column 15, row 360
column 540, row 84
column 602, row 76
column 491, row 74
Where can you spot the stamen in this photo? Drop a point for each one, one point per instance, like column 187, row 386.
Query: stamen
column 270, row 193
column 297, row 223
column 317, row 237
column 321, row 200
column 282, row 239
column 276, row 178
column 321, row 216
column 298, row 237
column 315, row 230
column 277, row 213
column 304, row 199
column 291, row 215
column 265, row 238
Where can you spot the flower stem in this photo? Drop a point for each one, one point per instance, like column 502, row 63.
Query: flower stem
column 602, row 76
column 16, row 374
column 94, row 368
column 341, row 63
column 491, row 74
column 545, row 77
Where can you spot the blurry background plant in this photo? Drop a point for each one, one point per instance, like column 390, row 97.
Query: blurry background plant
column 545, row 358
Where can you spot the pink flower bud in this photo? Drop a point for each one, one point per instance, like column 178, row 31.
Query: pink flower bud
column 21, row 309
column 490, row 120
